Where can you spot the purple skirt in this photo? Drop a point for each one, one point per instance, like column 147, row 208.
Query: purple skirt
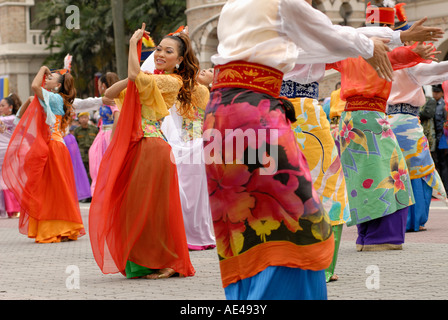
column 81, row 178
column 387, row 230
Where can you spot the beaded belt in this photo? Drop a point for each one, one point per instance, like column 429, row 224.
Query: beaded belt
column 248, row 75
column 359, row 103
column 405, row 108
column 291, row 89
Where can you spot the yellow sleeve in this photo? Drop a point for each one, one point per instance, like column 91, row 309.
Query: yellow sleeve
column 119, row 100
column 157, row 94
column 200, row 96
column 337, row 105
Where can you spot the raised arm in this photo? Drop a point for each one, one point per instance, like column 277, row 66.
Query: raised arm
column 36, row 85
column 24, row 106
column 114, row 90
column 133, row 62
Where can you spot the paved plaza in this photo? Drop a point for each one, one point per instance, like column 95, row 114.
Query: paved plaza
column 67, row 271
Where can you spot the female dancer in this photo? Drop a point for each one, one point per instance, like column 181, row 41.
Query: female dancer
column 8, row 109
column 184, row 134
column 313, row 133
column 109, row 115
column 404, row 103
column 38, row 166
column 273, row 236
column 136, row 224
column 376, row 174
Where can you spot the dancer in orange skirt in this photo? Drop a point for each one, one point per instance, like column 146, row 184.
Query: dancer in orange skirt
column 135, row 221
column 37, row 165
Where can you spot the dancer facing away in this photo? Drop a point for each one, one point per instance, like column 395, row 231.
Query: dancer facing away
column 274, row 238
column 136, row 224
column 313, row 130
column 37, row 166
column 109, row 117
column 405, row 101
column 9, row 106
column 376, row 173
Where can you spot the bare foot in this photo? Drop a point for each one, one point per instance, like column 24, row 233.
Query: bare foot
column 334, row 277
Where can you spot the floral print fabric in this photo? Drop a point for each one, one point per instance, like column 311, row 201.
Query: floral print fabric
column 415, row 147
column 252, row 204
column 313, row 136
column 377, row 177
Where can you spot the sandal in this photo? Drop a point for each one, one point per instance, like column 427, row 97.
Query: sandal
column 167, row 273
column 334, row 278
column 162, row 274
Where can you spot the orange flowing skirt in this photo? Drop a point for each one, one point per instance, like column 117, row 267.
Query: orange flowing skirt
column 54, row 212
column 144, row 224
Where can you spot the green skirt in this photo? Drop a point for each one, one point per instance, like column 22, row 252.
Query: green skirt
column 134, row 270
column 376, row 174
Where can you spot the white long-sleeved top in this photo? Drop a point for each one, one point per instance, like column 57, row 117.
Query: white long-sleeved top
column 307, row 73
column 407, row 84
column 282, row 33
column 87, row 104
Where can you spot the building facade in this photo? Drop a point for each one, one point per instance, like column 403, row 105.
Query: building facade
column 22, row 48
column 203, row 15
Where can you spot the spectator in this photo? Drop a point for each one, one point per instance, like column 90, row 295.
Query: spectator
column 440, row 157
column 426, row 115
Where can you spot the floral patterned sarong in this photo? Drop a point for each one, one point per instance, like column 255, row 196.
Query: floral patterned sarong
column 264, row 207
column 312, row 131
column 377, row 177
column 415, row 148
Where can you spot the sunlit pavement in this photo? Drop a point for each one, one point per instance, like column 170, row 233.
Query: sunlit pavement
column 67, row 271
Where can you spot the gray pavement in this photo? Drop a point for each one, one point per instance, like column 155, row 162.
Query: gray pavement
column 67, row 271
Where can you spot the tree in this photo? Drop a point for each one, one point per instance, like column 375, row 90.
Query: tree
column 92, row 45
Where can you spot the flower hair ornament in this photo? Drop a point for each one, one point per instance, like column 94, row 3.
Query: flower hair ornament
column 178, row 31
column 67, row 66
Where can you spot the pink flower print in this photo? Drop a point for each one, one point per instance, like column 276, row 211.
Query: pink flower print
column 346, row 132
column 386, row 129
column 149, row 128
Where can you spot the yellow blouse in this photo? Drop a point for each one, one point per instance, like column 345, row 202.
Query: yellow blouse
column 157, row 94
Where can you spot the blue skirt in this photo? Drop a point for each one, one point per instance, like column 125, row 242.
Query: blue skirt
column 419, row 212
column 280, row 283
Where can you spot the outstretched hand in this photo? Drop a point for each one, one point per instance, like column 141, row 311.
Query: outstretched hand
column 380, row 61
column 418, row 32
column 426, row 51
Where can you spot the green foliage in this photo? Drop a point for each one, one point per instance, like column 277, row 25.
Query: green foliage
column 92, row 45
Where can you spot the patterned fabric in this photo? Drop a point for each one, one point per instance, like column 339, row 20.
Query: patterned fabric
column 312, row 132
column 262, row 216
column 107, row 115
column 55, row 130
column 292, row 89
column 253, row 76
column 378, row 181
column 192, row 128
column 151, row 129
column 415, row 148
column 404, row 108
